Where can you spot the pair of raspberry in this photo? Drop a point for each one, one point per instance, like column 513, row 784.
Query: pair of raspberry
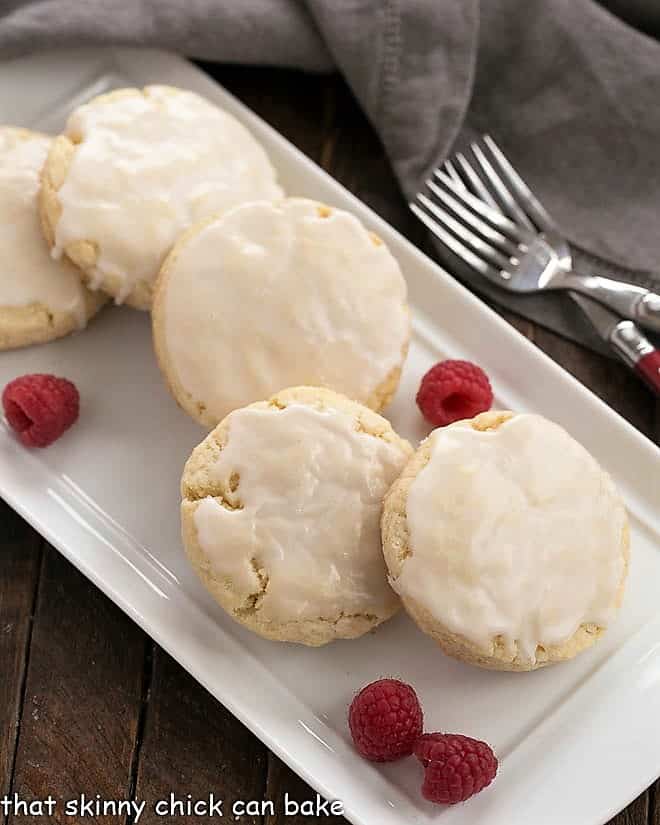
column 386, row 723
column 40, row 408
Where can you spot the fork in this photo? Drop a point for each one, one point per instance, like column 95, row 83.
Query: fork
column 492, row 221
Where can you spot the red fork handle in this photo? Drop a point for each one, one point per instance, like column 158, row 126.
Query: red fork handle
column 648, row 368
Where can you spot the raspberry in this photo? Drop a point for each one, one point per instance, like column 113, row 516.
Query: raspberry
column 385, row 719
column 39, row 408
column 457, row 767
column 454, row 390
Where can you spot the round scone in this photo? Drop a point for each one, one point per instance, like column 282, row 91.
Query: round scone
column 281, row 511
column 40, row 299
column 273, row 295
column 133, row 169
column 506, row 541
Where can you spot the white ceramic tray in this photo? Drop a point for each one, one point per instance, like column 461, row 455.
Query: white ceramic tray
column 577, row 742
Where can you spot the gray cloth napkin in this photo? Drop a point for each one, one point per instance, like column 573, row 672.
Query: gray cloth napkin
column 568, row 89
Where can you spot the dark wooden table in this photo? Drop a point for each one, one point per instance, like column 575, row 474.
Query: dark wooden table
column 88, row 703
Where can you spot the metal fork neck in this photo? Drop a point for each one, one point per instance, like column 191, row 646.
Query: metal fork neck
column 622, row 298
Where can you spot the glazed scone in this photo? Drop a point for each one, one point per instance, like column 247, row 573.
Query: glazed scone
column 507, row 542
column 280, row 515
column 40, row 299
column 133, row 169
column 272, row 295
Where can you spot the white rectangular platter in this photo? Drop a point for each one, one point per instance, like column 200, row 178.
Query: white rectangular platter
column 577, row 742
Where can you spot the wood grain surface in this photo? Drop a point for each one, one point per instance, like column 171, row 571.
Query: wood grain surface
column 88, row 703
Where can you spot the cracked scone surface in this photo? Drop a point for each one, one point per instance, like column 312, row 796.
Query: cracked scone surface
column 507, row 542
column 289, row 293
column 280, row 515
column 133, row 169
column 40, row 299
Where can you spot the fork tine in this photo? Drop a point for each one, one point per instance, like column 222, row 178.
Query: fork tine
column 468, row 217
column 472, row 240
column 449, row 167
column 495, row 217
column 532, row 205
column 476, row 183
column 459, row 249
column 505, row 196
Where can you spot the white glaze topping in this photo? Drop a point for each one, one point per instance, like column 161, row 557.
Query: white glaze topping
column 514, row 532
column 146, row 167
column 28, row 274
column 311, row 487
column 274, row 295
